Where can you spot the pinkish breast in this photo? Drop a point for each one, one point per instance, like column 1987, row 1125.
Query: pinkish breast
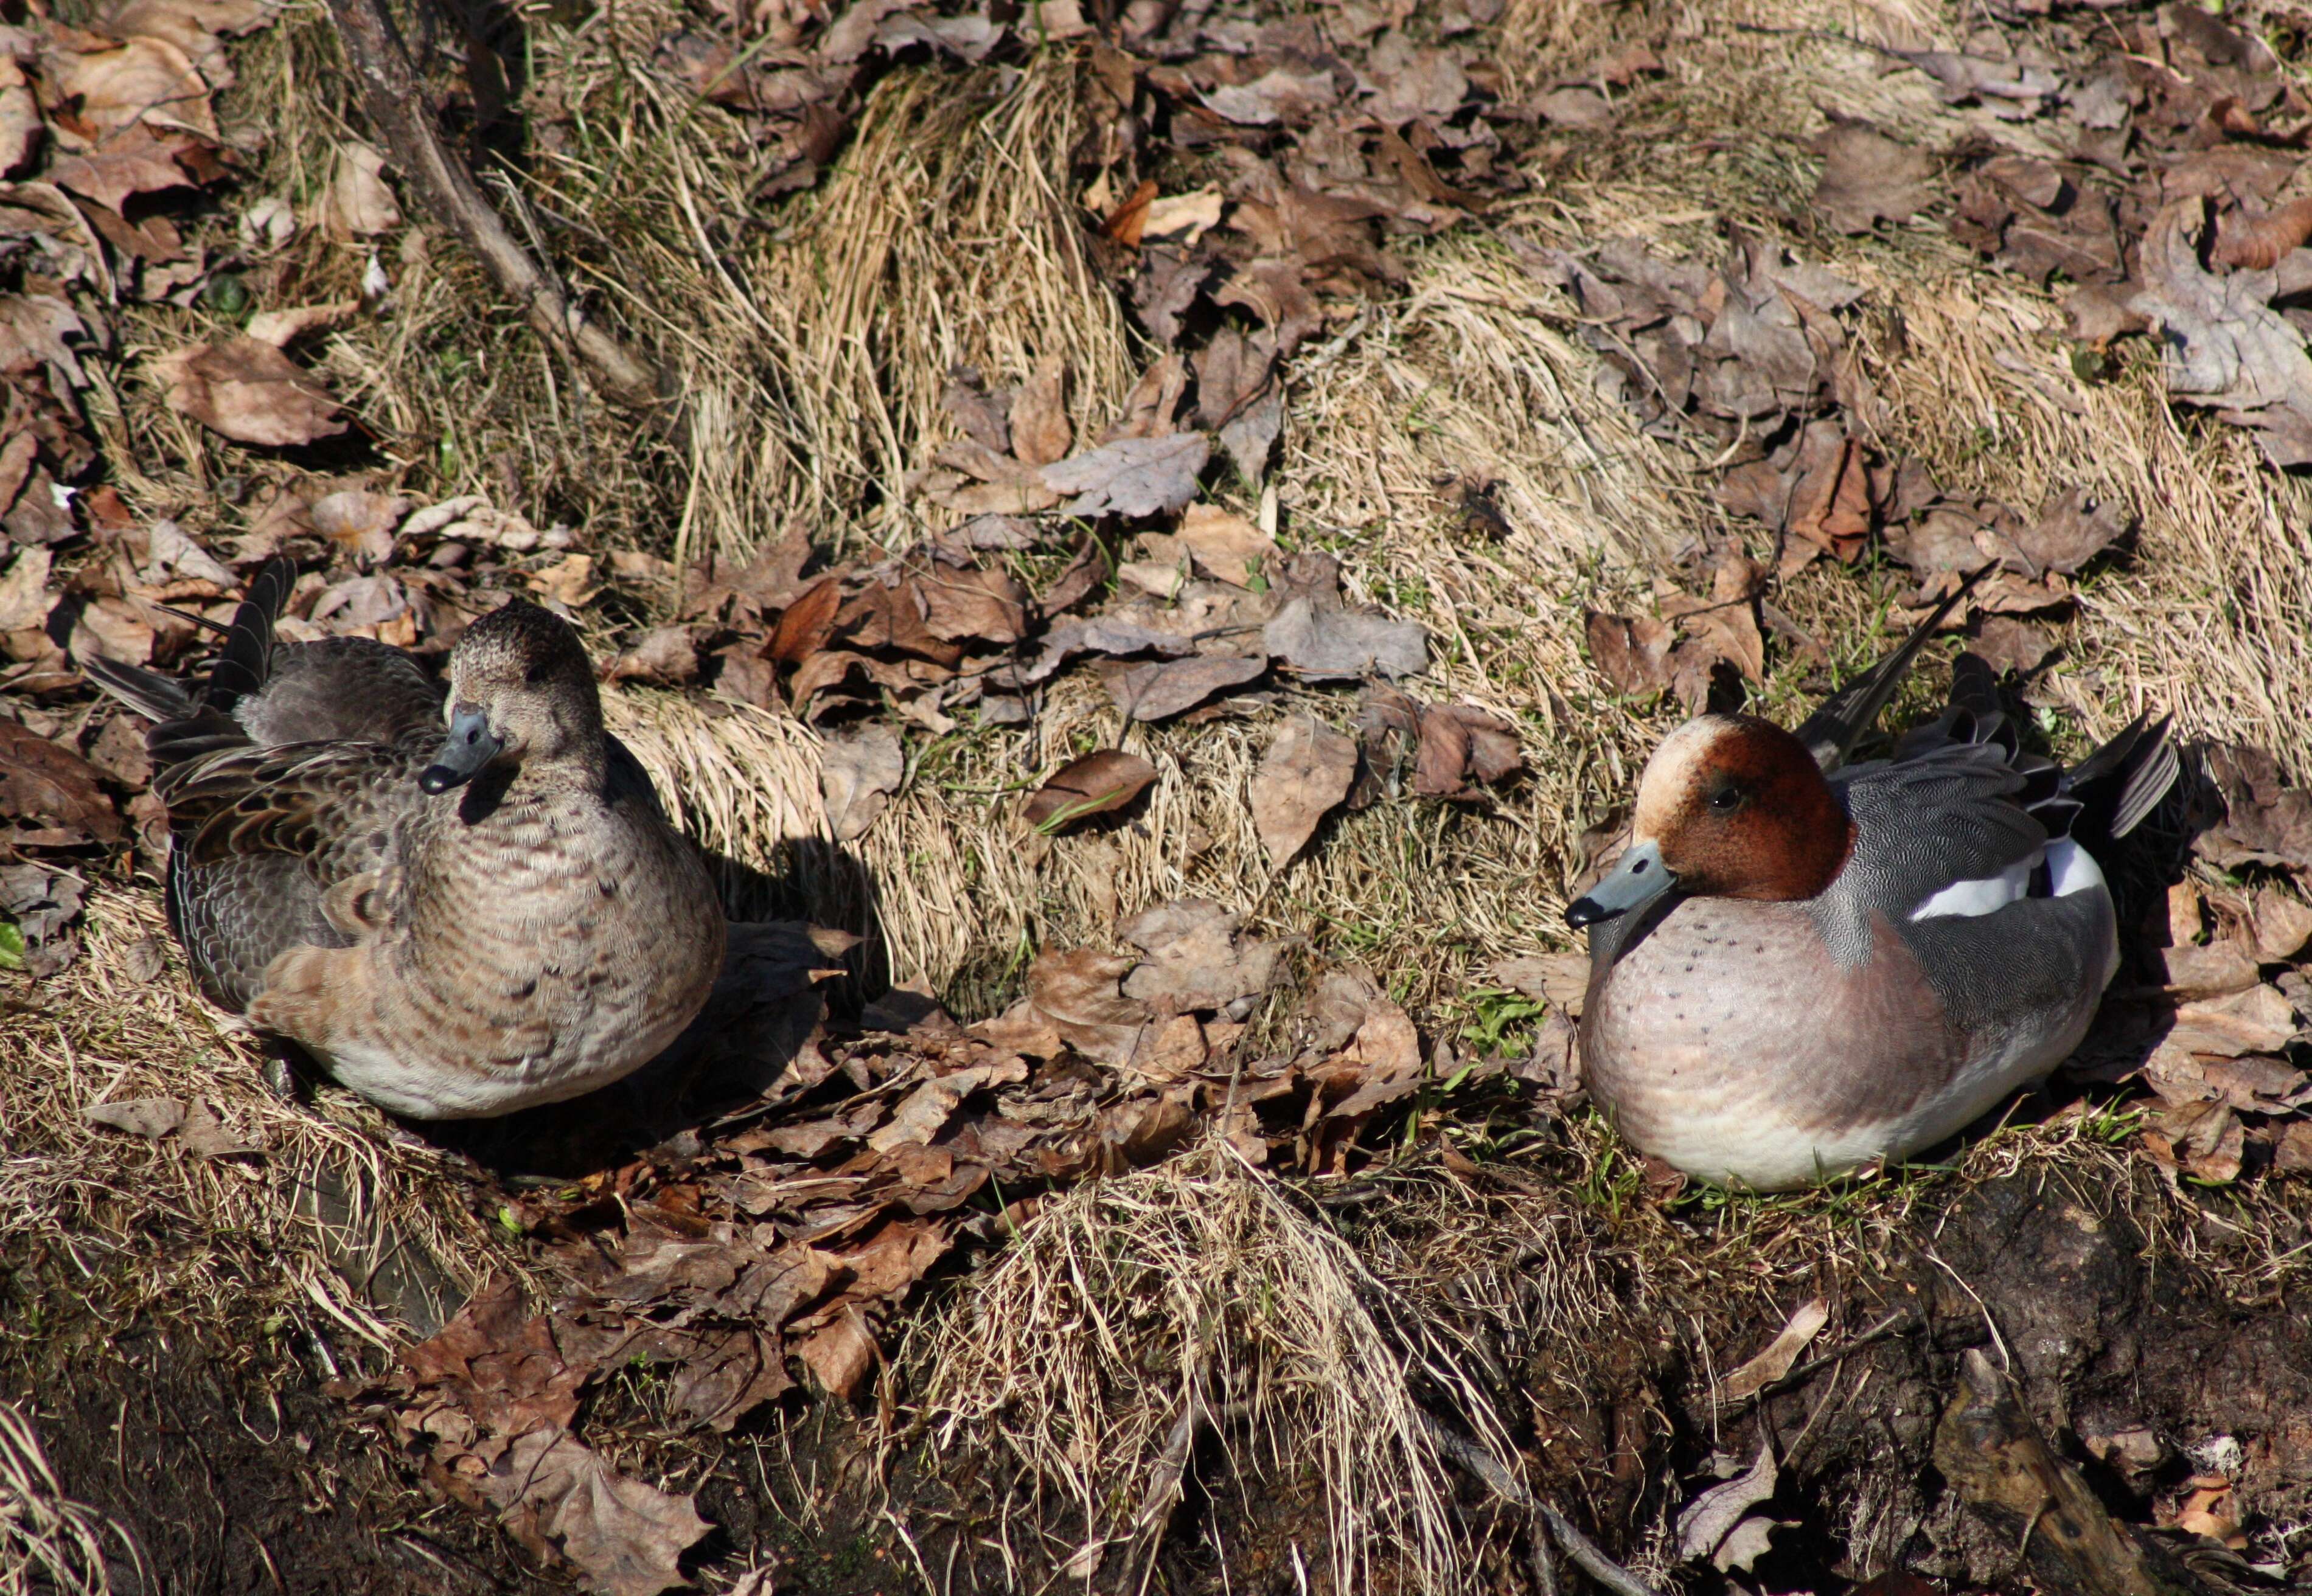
column 1728, row 1039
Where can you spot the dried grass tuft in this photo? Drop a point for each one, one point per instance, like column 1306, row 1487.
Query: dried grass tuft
column 1131, row 1314
column 48, row 1542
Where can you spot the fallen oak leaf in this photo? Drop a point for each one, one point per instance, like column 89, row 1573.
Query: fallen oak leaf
column 858, row 774
column 41, row 779
column 1305, row 775
column 1095, row 784
column 1133, row 476
column 249, row 392
column 625, row 1537
column 1149, row 692
column 1631, row 652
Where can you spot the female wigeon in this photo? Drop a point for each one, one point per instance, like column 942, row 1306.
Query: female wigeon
column 1800, row 967
column 456, row 924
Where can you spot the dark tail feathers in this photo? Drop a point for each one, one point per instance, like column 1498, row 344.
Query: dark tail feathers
column 185, row 726
column 1830, row 733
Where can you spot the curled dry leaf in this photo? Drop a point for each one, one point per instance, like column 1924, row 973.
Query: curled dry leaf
column 858, row 772
column 357, row 204
column 1160, row 692
column 1867, row 177
column 1631, row 652
column 1706, row 1523
column 1781, row 1355
column 1306, row 774
column 1133, row 476
column 1341, row 645
column 44, row 780
column 1093, row 785
column 249, row 392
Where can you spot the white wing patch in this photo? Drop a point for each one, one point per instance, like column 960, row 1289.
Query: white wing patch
column 2071, row 868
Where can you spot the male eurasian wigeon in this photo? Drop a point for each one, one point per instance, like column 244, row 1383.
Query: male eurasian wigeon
column 458, row 923
column 1800, row 967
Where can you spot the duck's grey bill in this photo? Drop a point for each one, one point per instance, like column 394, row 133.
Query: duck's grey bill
column 1637, row 880
column 471, row 746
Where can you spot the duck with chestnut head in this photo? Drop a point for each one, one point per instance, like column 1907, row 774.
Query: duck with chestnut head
column 462, row 904
column 1800, row 967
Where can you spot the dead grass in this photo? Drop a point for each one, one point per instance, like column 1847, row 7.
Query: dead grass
column 48, row 1542
column 1133, row 1313
column 813, row 339
column 332, row 1199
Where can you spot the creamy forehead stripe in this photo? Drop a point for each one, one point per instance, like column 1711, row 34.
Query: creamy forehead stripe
column 1673, row 772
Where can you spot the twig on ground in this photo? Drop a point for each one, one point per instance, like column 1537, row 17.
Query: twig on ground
column 400, row 113
column 1584, row 1551
column 1591, row 1561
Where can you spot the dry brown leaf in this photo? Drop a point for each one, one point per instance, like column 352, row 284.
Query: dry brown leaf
column 569, row 581
column 1342, row 645
column 2257, row 242
column 44, row 780
column 1154, row 400
column 357, row 204
column 113, row 629
column 1182, row 219
column 151, row 1118
column 1080, row 992
column 1460, row 744
column 1867, row 177
column 1306, row 774
column 1631, row 652
column 115, row 169
column 359, row 524
column 1094, row 784
column 2226, row 347
column 1198, row 959
column 664, row 655
column 2071, row 531
column 804, row 626
column 2293, row 1156
column 2266, row 821
column 1224, row 545
column 1780, row 1354
column 131, row 82
column 973, row 606
column 1150, row 692
column 858, row 772
column 1383, row 1060
column 249, row 392
column 627, row 1538
column 2281, row 924
column 1133, row 476
column 1040, row 433
column 282, row 328
column 25, row 600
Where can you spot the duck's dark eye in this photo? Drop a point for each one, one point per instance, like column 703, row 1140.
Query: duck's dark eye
column 1725, row 799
